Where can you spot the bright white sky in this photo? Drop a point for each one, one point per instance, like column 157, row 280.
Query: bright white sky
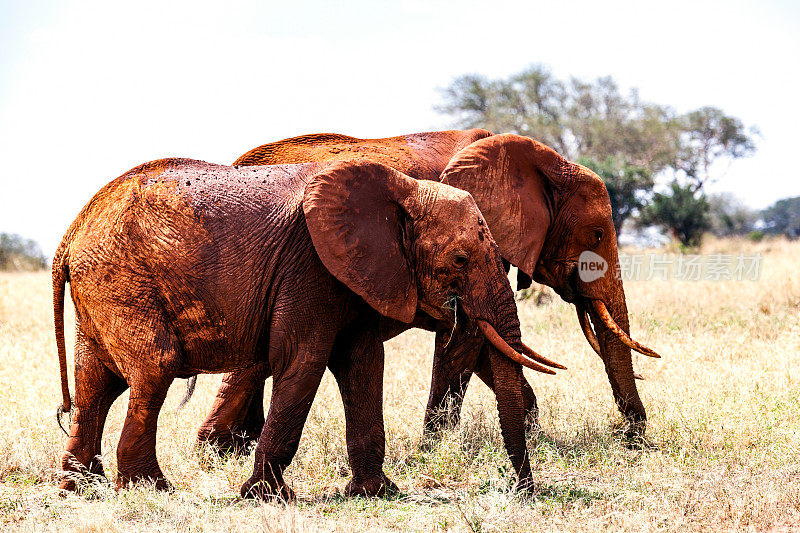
column 90, row 89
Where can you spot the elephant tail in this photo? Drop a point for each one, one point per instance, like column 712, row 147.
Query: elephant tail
column 60, row 278
column 190, row 384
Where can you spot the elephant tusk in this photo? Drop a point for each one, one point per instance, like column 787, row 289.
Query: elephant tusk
column 608, row 321
column 583, row 319
column 540, row 358
column 492, row 336
column 588, row 332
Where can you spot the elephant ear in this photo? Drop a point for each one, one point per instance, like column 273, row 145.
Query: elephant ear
column 356, row 214
column 515, row 181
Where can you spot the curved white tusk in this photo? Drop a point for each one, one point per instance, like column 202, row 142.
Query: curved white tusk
column 591, row 338
column 608, row 321
column 530, row 352
column 492, row 336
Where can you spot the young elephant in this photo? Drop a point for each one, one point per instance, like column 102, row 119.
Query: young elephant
column 181, row 267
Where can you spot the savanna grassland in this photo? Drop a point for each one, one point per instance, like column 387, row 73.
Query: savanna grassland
column 723, row 449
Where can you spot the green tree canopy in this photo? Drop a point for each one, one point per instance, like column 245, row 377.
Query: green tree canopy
column 682, row 211
column 577, row 118
column 708, row 136
column 628, row 186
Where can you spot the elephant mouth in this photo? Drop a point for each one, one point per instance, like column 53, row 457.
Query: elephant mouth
column 442, row 314
column 568, row 291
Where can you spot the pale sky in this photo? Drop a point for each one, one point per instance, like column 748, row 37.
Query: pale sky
column 91, row 89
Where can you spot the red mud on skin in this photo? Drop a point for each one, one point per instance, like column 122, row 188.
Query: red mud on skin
column 181, row 266
column 533, row 199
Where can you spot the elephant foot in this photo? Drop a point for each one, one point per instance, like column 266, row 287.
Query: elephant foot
column 632, row 434
column 261, row 489
column 77, row 482
column 68, row 484
column 639, row 442
column 233, row 442
column 158, row 480
column 76, row 475
column 527, row 486
column 378, row 486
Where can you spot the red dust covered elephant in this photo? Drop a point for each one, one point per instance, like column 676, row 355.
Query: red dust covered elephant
column 543, row 211
column 180, row 267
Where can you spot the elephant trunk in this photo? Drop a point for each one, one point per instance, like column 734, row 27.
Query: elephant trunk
column 491, row 306
column 612, row 329
column 508, row 381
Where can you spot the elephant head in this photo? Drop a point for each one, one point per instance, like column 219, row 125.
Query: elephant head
column 550, row 217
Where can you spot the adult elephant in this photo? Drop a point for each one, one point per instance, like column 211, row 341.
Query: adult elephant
column 543, row 210
column 181, row 267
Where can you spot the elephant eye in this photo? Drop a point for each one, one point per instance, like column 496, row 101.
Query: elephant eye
column 597, row 236
column 460, row 259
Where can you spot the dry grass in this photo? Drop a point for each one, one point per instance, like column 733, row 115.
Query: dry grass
column 724, row 429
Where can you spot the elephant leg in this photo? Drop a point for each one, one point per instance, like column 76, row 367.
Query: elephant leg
column 136, row 453
column 357, row 364
column 483, row 370
column 96, row 388
column 295, row 384
column 507, row 379
column 149, row 375
column 454, row 360
column 237, row 416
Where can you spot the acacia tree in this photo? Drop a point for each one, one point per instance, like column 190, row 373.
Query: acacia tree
column 595, row 121
column 709, row 136
column 577, row 118
column 530, row 103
